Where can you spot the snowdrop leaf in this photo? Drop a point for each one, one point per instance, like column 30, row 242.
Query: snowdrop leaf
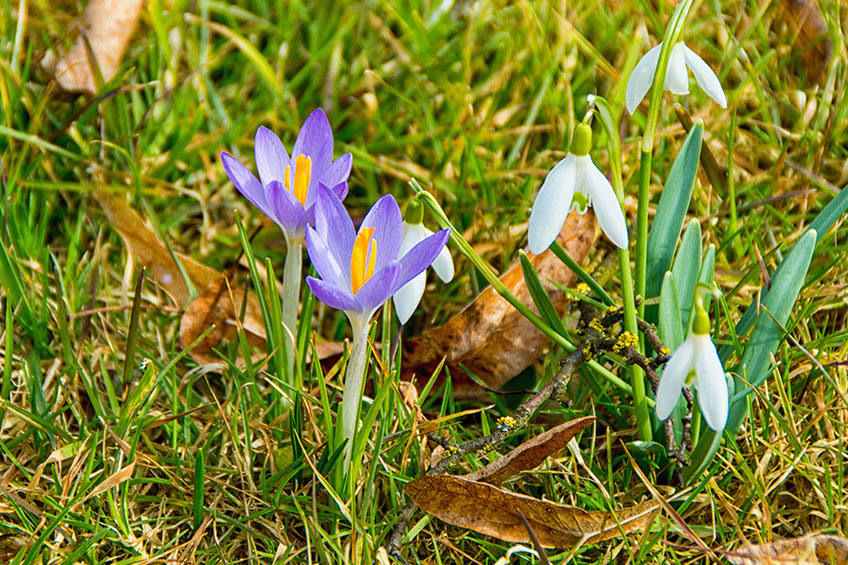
column 671, row 210
column 767, row 334
column 687, row 267
column 539, row 295
column 670, row 326
column 833, row 211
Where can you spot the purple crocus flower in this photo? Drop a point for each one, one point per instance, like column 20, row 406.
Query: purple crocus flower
column 286, row 188
column 360, row 271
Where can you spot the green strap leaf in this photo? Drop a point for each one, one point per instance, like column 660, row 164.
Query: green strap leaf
column 539, row 295
column 687, row 267
column 671, row 210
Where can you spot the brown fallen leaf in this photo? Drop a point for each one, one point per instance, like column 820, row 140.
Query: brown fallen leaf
column 806, row 21
column 808, row 550
column 490, row 337
column 107, row 25
column 493, row 511
column 143, row 242
column 530, row 454
column 214, row 305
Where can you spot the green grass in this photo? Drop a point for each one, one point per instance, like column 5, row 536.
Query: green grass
column 472, row 99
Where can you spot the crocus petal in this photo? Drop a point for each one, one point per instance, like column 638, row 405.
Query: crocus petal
column 552, row 205
column 641, row 78
column 421, row 256
column 246, row 183
column 406, row 299
column 328, row 265
column 674, row 377
column 711, row 384
column 705, row 77
column 340, row 190
column 334, row 225
column 677, row 77
column 287, row 210
column 387, row 221
column 379, row 287
column 332, row 296
column 338, row 171
column 315, row 140
column 271, row 157
column 606, row 205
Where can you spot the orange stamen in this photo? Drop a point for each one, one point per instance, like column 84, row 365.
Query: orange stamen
column 302, row 174
column 361, row 261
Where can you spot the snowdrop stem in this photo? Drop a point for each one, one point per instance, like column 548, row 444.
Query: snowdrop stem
column 354, row 381
column 673, row 35
column 291, row 297
column 642, row 224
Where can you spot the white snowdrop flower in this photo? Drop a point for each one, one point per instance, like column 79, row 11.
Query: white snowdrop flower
column 676, row 78
column 575, row 173
column 407, row 298
column 696, row 361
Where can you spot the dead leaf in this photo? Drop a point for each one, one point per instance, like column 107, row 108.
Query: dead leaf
column 143, row 242
column 108, row 25
column 530, row 454
column 806, row 21
column 493, row 511
column 112, row 480
column 808, row 550
column 215, row 306
column 490, row 337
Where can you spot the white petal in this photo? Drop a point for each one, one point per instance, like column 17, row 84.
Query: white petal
column 674, row 377
column 407, row 298
column 641, row 78
column 711, row 384
column 677, row 77
column 413, row 234
column 606, row 205
column 705, row 76
column 443, row 265
column 551, row 205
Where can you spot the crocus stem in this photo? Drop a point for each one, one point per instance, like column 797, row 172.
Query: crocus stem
column 291, row 297
column 354, row 381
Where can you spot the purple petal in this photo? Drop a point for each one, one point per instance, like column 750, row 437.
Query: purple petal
column 340, row 190
column 379, row 287
column 385, row 217
column 288, row 211
column 246, row 183
column 334, row 225
column 315, row 140
column 422, row 256
column 332, row 296
column 271, row 156
column 338, row 171
column 331, row 268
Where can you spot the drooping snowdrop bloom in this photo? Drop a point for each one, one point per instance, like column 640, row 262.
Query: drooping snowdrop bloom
column 575, row 173
column 359, row 272
column 676, row 78
column 406, row 299
column 286, row 188
column 696, row 361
